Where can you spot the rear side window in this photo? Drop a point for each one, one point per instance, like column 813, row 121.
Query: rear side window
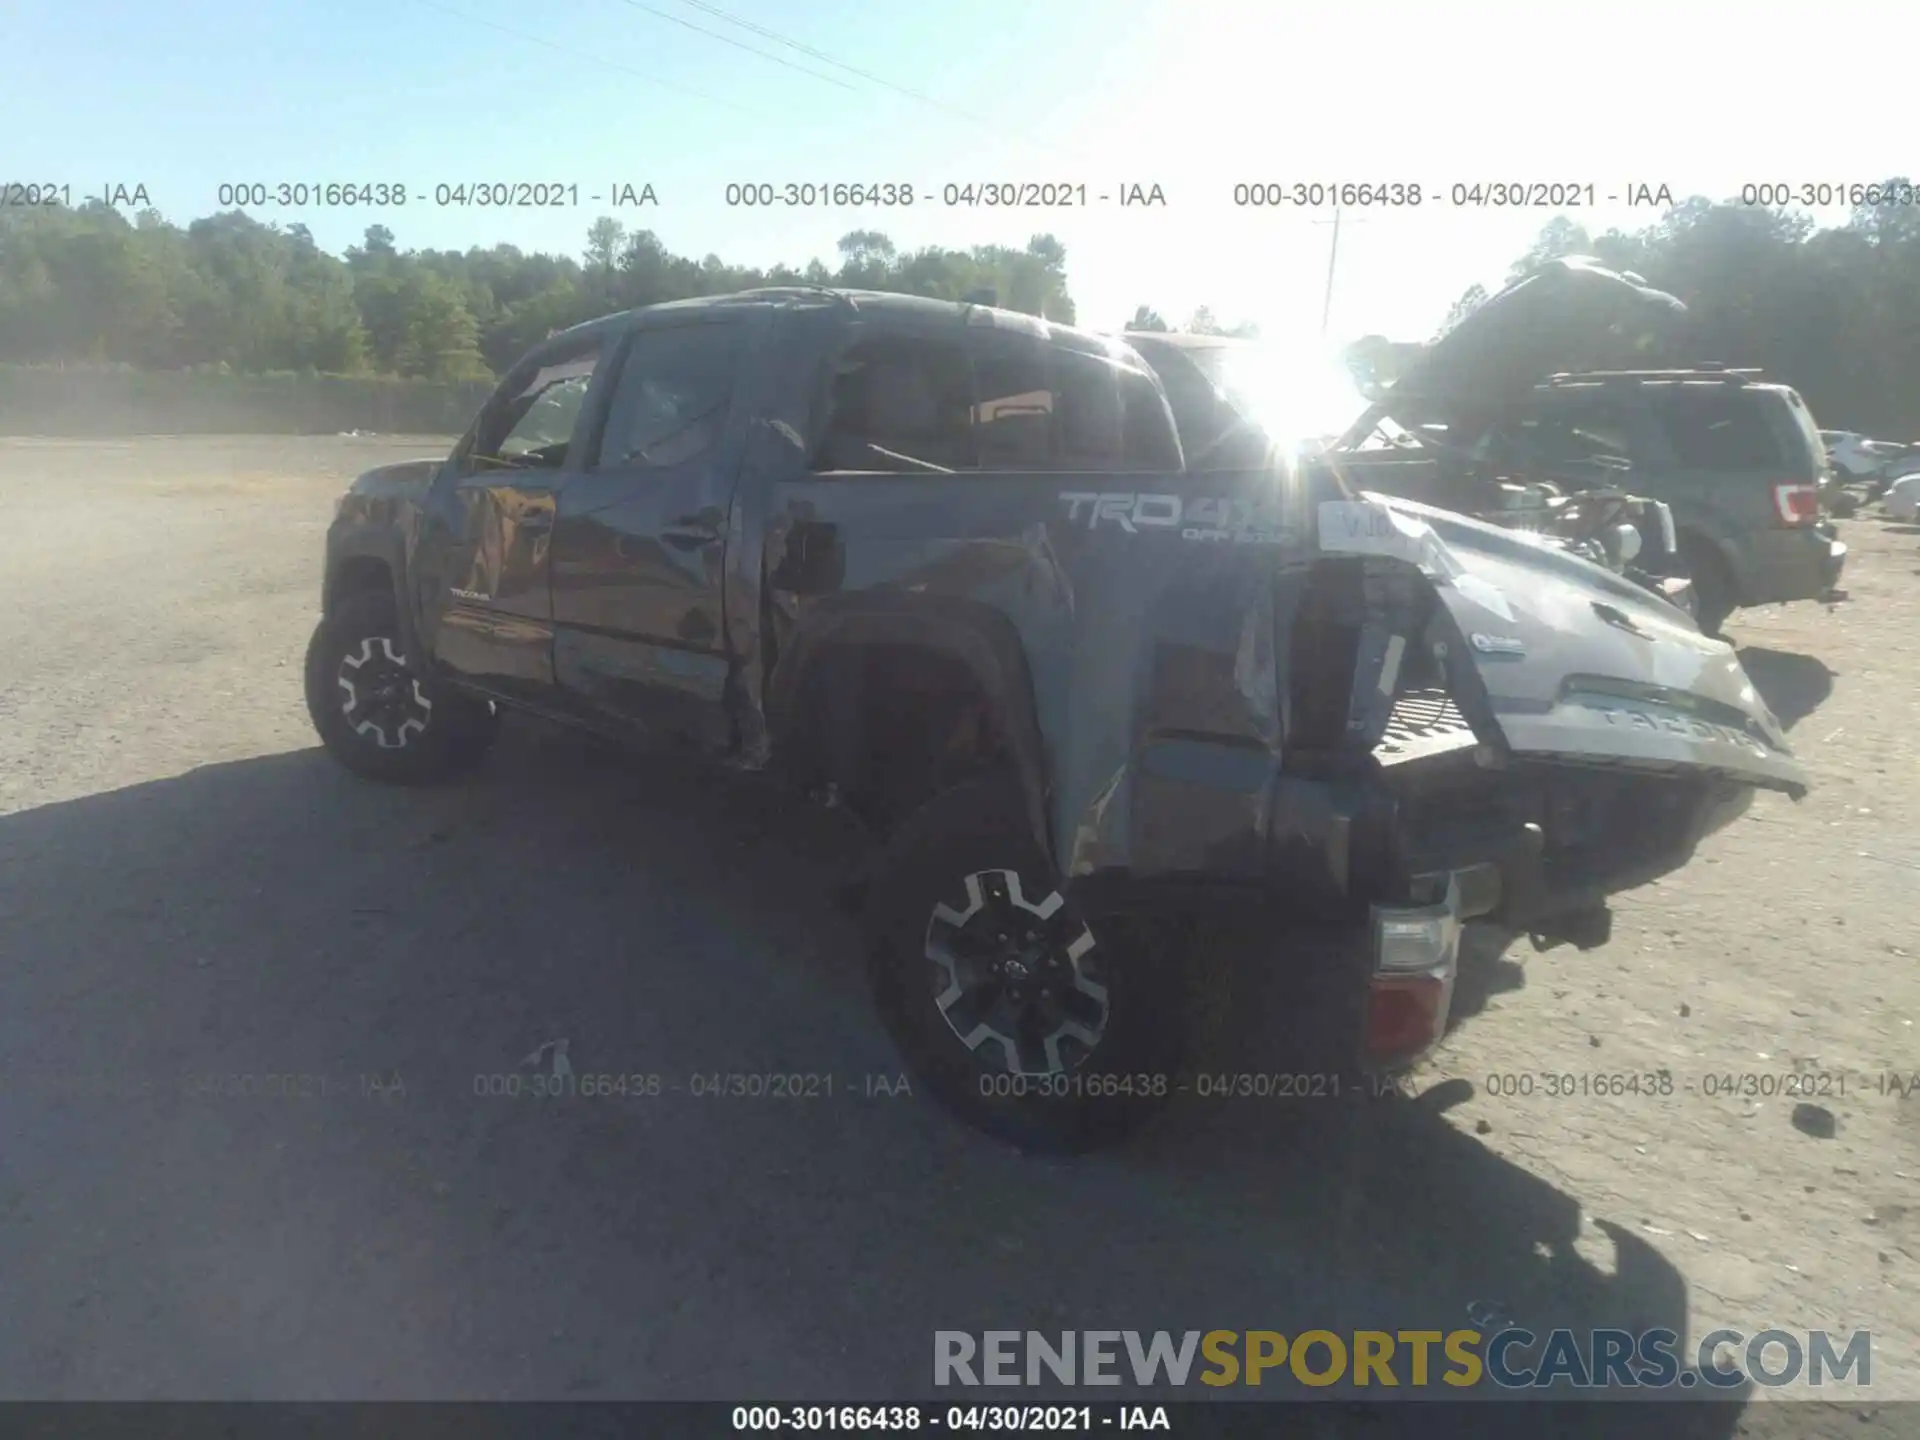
column 1805, row 434
column 899, row 403
column 1014, row 415
column 1066, row 405
column 1561, row 435
column 1718, row 430
column 999, row 400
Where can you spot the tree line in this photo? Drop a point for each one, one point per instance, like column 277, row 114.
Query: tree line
column 89, row 285
column 1835, row 311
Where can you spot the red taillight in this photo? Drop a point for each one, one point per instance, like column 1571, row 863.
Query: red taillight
column 1416, row 955
column 1406, row 1016
column 1796, row 504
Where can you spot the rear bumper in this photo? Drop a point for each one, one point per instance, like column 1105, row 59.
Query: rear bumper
column 1784, row 565
column 1537, row 848
column 1541, row 854
column 1527, row 845
column 1404, row 856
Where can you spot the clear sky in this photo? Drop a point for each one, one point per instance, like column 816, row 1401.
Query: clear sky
column 1192, row 95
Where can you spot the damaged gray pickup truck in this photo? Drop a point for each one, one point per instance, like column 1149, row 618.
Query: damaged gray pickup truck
column 947, row 564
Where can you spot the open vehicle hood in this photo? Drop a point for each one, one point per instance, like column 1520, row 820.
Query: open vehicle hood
column 1577, row 663
column 1554, row 319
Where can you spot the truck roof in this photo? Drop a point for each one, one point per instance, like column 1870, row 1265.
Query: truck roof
column 1187, row 339
column 881, row 301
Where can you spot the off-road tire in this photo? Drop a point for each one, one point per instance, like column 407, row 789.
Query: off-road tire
column 1714, row 598
column 446, row 735
column 1096, row 1096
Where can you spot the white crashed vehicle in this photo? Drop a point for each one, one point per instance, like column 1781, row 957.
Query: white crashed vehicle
column 1856, row 457
column 1902, row 500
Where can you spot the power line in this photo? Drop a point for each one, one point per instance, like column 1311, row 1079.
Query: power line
column 758, row 29
column 737, row 44
column 806, row 49
column 590, row 58
column 815, row 53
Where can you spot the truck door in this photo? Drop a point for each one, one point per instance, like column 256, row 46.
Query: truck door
column 482, row 562
column 640, row 535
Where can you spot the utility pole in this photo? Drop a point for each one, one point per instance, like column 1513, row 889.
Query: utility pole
column 1333, row 259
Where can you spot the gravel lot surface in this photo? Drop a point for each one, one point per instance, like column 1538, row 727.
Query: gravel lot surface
column 190, row 890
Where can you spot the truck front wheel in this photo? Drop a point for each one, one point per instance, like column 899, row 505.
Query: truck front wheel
column 1034, row 1023
column 376, row 714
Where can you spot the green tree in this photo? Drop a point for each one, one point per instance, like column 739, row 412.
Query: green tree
column 603, row 242
column 867, row 260
column 1834, row 311
column 1471, row 299
column 1560, row 236
column 440, row 340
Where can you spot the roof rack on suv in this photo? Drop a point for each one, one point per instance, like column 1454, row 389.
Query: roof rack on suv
column 1705, row 371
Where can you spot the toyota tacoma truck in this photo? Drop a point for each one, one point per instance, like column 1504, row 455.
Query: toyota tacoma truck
column 947, row 565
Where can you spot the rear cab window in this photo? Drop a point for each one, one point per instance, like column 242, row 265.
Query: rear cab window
column 1199, row 414
column 1108, row 414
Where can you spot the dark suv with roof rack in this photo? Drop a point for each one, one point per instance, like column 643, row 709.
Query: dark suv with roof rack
column 1739, row 461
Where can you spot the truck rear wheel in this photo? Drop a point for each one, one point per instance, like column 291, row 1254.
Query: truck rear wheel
column 1714, row 600
column 376, row 714
column 1024, row 1018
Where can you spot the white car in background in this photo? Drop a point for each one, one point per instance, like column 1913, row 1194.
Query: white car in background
column 1857, row 457
column 1902, row 500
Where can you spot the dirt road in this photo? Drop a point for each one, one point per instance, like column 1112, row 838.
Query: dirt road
column 189, row 891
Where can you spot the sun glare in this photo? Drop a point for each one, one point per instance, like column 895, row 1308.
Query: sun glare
column 1293, row 393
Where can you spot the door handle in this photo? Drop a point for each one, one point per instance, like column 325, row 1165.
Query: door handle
column 1618, row 618
column 689, row 535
